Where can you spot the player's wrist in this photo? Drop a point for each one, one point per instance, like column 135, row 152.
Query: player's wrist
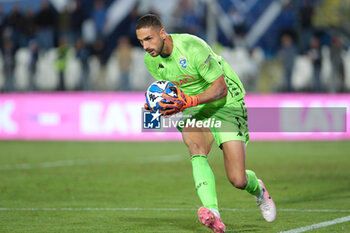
column 195, row 100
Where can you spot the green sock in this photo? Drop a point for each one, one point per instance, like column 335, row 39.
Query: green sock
column 253, row 186
column 204, row 181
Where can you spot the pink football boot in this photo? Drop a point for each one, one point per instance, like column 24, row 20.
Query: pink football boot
column 210, row 219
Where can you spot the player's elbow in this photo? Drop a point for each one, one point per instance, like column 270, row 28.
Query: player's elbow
column 223, row 91
column 222, row 87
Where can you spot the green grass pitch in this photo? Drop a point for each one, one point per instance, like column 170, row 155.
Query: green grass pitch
column 148, row 187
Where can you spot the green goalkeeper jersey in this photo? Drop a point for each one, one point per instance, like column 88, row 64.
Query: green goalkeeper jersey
column 192, row 66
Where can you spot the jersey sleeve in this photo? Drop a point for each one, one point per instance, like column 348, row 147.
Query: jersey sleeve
column 206, row 64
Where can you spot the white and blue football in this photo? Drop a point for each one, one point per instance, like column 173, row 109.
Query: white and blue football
column 155, row 91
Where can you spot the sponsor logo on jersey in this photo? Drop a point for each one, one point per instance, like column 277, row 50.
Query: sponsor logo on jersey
column 183, row 62
column 183, row 79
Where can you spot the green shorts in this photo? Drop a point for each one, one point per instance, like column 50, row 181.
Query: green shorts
column 233, row 118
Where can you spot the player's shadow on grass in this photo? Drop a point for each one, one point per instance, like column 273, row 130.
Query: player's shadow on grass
column 178, row 224
column 243, row 228
column 174, row 224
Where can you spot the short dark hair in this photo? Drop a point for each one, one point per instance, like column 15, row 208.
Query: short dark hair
column 149, row 20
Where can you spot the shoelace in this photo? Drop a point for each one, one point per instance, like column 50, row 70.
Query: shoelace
column 260, row 200
column 262, row 203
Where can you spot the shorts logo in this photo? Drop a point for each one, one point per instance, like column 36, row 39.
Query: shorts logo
column 151, row 120
column 183, row 62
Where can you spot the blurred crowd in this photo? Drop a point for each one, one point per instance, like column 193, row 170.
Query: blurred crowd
column 48, row 29
column 77, row 32
column 310, row 44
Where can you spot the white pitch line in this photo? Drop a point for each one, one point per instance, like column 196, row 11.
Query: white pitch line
column 163, row 209
column 96, row 209
column 297, row 210
column 66, row 163
column 62, row 163
column 163, row 159
column 318, row 225
column 314, row 210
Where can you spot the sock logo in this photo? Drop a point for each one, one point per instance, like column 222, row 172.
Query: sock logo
column 201, row 184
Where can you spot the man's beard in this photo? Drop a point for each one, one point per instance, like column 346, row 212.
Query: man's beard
column 162, row 47
column 160, row 50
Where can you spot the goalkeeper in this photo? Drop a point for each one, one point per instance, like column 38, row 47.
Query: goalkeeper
column 209, row 89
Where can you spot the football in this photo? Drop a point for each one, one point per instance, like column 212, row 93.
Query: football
column 155, row 91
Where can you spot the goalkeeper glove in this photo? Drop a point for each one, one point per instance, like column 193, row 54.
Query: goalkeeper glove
column 177, row 103
column 147, row 107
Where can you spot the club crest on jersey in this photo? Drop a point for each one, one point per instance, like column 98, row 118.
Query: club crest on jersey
column 183, row 62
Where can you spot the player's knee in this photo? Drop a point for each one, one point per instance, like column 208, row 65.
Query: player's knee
column 238, row 182
column 196, row 148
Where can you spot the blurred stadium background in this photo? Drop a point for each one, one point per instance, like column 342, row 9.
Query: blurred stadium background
column 72, row 78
